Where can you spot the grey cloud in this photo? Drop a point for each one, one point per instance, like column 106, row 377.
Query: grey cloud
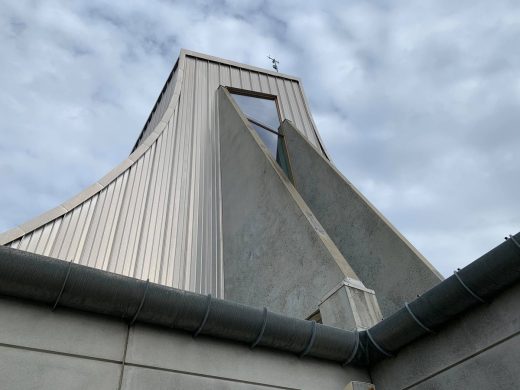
column 416, row 101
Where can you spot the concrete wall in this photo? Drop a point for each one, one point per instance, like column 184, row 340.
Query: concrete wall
column 275, row 251
column 480, row 350
column 380, row 256
column 67, row 349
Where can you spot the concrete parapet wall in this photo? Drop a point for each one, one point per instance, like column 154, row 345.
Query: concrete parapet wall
column 378, row 253
column 479, row 350
column 68, row 349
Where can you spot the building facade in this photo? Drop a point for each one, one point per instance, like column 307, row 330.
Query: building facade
column 228, row 220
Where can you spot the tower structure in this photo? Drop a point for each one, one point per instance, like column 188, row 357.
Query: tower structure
column 229, row 192
column 200, row 205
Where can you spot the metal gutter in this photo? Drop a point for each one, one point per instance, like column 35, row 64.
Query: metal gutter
column 475, row 284
column 59, row 283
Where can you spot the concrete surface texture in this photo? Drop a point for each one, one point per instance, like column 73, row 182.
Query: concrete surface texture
column 479, row 350
column 378, row 253
column 350, row 306
column 360, row 386
column 276, row 254
column 68, row 349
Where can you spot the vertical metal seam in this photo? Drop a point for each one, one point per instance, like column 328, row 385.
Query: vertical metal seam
column 133, row 178
column 153, row 150
column 183, row 194
column 93, row 228
column 74, row 229
column 122, row 259
column 191, row 186
column 113, row 227
column 189, row 158
column 151, row 209
column 208, row 192
column 156, row 213
column 124, row 197
column 166, row 185
column 102, row 223
column 39, row 237
column 200, row 182
column 60, row 245
column 168, row 206
column 175, row 203
column 82, row 235
column 52, row 236
column 221, row 277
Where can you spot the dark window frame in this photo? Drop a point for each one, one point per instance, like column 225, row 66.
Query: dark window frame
column 261, row 95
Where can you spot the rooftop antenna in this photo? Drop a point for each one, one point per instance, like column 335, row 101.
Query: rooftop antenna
column 275, row 63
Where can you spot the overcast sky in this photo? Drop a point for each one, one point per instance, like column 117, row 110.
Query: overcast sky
column 418, row 102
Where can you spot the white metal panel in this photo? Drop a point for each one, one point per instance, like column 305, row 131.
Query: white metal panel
column 55, row 226
column 33, row 241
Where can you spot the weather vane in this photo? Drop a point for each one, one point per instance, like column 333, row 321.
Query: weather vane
column 275, row 63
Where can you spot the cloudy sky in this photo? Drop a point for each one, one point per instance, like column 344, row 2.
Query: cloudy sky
column 418, row 102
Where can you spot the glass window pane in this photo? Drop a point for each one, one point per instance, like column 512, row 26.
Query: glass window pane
column 270, row 139
column 281, row 158
column 263, row 110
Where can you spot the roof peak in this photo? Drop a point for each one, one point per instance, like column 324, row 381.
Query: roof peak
column 190, row 53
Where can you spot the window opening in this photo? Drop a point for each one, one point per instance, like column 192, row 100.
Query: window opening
column 262, row 114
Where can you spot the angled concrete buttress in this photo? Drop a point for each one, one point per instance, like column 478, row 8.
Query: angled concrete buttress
column 382, row 258
column 275, row 251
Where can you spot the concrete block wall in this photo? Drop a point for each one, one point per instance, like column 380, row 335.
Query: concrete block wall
column 480, row 350
column 41, row 349
column 66, row 349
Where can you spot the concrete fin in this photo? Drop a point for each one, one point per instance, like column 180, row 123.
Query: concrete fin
column 383, row 259
column 276, row 253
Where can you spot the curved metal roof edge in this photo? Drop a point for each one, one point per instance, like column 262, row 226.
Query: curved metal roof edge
column 37, row 222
